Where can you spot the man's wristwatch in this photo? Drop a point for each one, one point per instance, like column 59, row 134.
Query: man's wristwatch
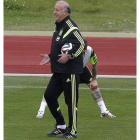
column 69, row 56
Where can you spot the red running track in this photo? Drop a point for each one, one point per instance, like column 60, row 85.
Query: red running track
column 116, row 56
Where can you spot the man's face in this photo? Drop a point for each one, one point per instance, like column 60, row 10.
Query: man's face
column 58, row 12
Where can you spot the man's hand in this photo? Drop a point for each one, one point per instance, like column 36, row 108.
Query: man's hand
column 46, row 59
column 63, row 59
column 93, row 84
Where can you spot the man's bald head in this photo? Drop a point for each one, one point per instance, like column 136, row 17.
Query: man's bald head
column 61, row 10
column 65, row 5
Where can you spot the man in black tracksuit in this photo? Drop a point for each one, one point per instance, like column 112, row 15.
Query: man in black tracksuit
column 66, row 69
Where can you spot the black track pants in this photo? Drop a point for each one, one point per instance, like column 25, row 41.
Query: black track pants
column 68, row 83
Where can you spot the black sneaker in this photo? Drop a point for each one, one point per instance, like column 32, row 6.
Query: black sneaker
column 56, row 132
column 68, row 135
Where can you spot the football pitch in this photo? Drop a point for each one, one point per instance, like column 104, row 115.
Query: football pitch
column 22, row 98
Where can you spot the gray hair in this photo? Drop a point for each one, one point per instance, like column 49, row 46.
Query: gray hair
column 68, row 9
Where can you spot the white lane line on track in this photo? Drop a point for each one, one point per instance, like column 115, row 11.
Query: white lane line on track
column 79, row 88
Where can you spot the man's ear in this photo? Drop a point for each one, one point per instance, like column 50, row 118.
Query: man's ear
column 65, row 12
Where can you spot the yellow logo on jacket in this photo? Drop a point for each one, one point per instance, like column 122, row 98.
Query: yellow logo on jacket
column 58, row 38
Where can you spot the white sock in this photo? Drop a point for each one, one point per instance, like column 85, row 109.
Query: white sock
column 102, row 106
column 43, row 106
column 61, row 126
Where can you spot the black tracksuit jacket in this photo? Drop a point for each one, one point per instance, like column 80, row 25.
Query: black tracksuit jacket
column 67, row 32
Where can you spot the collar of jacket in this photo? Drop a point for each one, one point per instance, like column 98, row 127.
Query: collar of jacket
column 58, row 24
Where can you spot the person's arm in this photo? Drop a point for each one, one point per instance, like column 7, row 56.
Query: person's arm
column 94, row 71
column 93, row 83
column 45, row 60
column 94, row 63
column 63, row 58
column 76, row 39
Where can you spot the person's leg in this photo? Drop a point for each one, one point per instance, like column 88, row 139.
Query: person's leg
column 96, row 94
column 42, row 108
column 98, row 98
column 53, row 91
column 70, row 85
column 86, row 77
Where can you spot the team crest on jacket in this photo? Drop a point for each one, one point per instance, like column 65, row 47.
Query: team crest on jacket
column 58, row 38
column 60, row 33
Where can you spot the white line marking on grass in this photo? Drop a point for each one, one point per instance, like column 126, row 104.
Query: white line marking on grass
column 110, row 88
column 79, row 88
column 23, row 87
column 49, row 75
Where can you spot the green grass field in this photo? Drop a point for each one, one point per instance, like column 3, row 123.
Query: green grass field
column 90, row 15
column 22, row 97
